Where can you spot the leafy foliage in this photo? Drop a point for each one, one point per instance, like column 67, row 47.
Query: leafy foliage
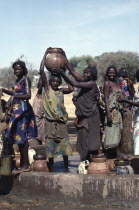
column 7, row 77
column 121, row 59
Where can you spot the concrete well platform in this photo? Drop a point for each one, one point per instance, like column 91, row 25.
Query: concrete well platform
column 73, row 188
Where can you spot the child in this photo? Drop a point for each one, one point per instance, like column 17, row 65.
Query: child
column 56, row 134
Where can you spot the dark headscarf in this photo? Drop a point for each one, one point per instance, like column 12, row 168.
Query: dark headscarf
column 93, row 71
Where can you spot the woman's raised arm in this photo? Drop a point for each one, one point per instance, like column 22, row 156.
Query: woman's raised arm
column 43, row 75
column 76, row 75
column 74, row 83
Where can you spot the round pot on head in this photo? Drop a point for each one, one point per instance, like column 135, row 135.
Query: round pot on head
column 55, row 59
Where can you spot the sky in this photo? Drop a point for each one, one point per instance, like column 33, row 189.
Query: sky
column 80, row 27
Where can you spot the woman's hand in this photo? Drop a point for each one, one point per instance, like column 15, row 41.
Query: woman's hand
column 47, row 51
column 129, row 82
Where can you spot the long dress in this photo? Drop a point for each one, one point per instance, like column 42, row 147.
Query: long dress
column 88, row 138
column 126, row 144
column 56, row 134
column 136, row 122
column 113, row 131
column 21, row 125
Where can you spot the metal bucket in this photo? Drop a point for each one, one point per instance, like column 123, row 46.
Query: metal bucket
column 5, row 166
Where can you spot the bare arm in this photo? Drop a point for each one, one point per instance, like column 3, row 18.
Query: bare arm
column 74, row 83
column 106, row 99
column 76, row 75
column 25, row 96
column 68, row 90
column 43, row 75
column 9, row 92
column 129, row 102
column 131, row 87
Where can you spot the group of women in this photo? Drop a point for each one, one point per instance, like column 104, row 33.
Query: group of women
column 118, row 97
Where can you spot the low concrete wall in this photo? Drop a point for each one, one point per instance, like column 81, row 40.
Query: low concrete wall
column 77, row 189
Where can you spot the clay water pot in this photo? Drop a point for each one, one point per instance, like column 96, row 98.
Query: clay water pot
column 121, row 162
column 123, row 167
column 122, row 170
column 99, row 159
column 55, row 59
column 40, row 166
column 99, row 165
column 39, row 157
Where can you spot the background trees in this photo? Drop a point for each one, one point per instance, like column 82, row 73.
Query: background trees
column 127, row 60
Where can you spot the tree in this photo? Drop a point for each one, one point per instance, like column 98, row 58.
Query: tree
column 7, row 77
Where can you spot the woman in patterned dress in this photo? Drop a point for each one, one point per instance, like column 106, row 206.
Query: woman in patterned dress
column 21, row 124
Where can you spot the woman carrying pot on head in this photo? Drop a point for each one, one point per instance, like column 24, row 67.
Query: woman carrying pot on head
column 56, row 134
column 88, row 127
column 21, row 125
